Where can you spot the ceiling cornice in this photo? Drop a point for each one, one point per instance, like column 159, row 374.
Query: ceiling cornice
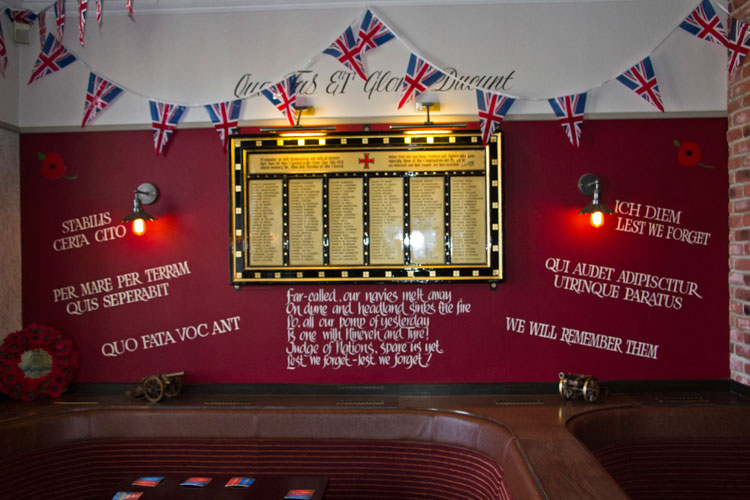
column 207, row 6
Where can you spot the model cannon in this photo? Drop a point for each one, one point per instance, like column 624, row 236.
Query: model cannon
column 574, row 386
column 156, row 387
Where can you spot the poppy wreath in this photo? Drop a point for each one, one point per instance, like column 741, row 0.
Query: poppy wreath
column 60, row 347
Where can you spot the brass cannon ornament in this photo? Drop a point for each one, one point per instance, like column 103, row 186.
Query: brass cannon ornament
column 575, row 386
column 156, row 387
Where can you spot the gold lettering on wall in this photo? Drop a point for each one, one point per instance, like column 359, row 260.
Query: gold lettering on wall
column 375, row 161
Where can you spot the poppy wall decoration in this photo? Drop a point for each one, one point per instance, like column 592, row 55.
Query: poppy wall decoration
column 53, row 167
column 689, row 154
column 36, row 362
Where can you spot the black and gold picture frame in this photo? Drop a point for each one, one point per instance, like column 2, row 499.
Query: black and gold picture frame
column 366, row 207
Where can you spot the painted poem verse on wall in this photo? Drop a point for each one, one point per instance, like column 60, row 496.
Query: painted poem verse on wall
column 385, row 328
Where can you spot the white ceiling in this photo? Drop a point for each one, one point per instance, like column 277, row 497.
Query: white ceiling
column 174, row 6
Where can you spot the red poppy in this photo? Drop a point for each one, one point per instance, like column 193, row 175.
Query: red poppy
column 689, row 154
column 53, row 166
column 54, row 389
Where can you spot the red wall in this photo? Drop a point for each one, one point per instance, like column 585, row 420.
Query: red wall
column 636, row 160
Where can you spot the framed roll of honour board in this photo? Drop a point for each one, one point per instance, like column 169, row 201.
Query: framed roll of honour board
column 366, row 207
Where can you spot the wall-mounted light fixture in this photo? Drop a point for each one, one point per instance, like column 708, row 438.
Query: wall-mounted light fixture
column 297, row 130
column 145, row 194
column 302, row 106
column 427, row 101
column 589, row 185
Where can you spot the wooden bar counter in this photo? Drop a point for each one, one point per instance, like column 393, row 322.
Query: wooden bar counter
column 525, row 445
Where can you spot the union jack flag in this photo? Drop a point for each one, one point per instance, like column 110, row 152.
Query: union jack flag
column 99, row 11
column 642, row 80
column 164, row 120
column 569, row 111
column 346, row 49
column 704, row 23
column 372, row 32
column 53, row 57
column 129, row 6
column 83, row 7
column 60, row 18
column 43, row 26
column 419, row 76
column 20, row 16
column 738, row 43
column 99, row 95
column 492, row 109
column 3, row 53
column 283, row 95
column 225, row 116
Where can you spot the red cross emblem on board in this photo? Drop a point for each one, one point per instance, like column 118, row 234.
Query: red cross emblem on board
column 367, row 160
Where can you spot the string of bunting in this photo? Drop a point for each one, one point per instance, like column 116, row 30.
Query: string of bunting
column 349, row 49
column 58, row 9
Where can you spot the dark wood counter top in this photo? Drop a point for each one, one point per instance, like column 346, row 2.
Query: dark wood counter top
column 563, row 466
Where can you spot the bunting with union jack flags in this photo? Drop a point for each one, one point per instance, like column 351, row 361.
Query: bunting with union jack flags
column 704, row 23
column 3, row 53
column 347, row 50
column 20, row 16
column 43, row 26
column 642, row 80
column 60, row 18
column 52, row 58
column 164, row 120
column 569, row 112
column 99, row 95
column 419, row 76
column 492, row 109
column 738, row 43
column 99, row 11
column 226, row 119
column 283, row 95
column 372, row 33
column 83, row 7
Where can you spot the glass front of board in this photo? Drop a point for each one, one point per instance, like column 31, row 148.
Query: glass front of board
column 366, row 207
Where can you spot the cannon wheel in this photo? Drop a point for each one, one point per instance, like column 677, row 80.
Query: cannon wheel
column 153, row 388
column 590, row 390
column 173, row 387
column 565, row 391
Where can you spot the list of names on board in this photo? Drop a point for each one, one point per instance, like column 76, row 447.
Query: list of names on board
column 305, row 222
column 353, row 208
column 346, row 219
column 265, row 222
